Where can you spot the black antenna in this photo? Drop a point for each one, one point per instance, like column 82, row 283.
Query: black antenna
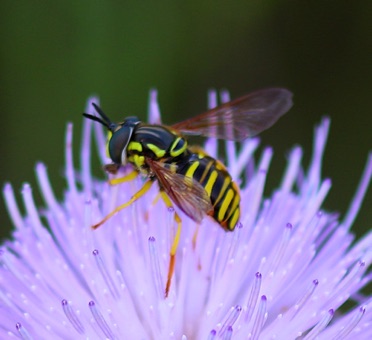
column 106, row 122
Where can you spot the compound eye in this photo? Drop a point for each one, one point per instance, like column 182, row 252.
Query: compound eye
column 118, row 144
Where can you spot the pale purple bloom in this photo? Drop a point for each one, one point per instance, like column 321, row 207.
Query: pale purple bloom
column 283, row 274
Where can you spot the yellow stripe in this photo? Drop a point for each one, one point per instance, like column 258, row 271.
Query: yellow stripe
column 220, row 166
column 175, row 153
column 135, row 146
column 205, row 173
column 236, row 188
column 233, row 205
column 198, row 150
column 157, row 151
column 191, row 170
column 211, row 180
column 234, row 219
column 225, row 204
column 226, row 183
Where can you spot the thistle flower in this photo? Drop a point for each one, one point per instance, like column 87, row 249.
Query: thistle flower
column 284, row 273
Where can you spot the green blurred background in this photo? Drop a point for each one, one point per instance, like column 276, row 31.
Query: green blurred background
column 54, row 54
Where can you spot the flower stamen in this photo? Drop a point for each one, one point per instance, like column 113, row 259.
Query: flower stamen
column 228, row 334
column 12, row 206
column 260, row 318
column 72, row 317
column 212, row 335
column 346, row 329
column 253, row 296
column 23, row 332
column 105, row 275
column 357, row 200
column 320, row 326
column 155, row 268
column 101, row 322
column 230, row 319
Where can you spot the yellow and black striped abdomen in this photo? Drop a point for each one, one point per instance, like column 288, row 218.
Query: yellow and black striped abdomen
column 223, row 192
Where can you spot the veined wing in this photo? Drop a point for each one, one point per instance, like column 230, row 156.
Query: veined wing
column 185, row 192
column 240, row 118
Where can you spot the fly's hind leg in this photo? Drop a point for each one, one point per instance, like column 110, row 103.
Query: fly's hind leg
column 174, row 246
column 145, row 188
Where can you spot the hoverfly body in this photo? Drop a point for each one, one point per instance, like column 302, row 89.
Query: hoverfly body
column 188, row 178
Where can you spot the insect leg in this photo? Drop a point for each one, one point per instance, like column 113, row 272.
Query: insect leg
column 146, row 187
column 195, row 236
column 128, row 177
column 176, row 240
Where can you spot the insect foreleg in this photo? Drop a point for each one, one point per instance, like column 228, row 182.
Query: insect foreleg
column 174, row 246
column 128, row 177
column 146, row 187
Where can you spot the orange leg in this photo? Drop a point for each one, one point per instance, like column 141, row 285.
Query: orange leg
column 176, row 240
column 146, row 187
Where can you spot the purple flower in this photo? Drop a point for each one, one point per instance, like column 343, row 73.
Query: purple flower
column 283, row 274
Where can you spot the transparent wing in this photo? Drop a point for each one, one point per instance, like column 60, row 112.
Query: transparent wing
column 188, row 194
column 240, row 118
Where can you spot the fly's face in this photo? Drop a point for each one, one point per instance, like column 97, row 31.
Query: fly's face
column 119, row 138
column 120, row 135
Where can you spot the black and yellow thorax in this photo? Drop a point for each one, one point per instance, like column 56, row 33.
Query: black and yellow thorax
column 157, row 142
